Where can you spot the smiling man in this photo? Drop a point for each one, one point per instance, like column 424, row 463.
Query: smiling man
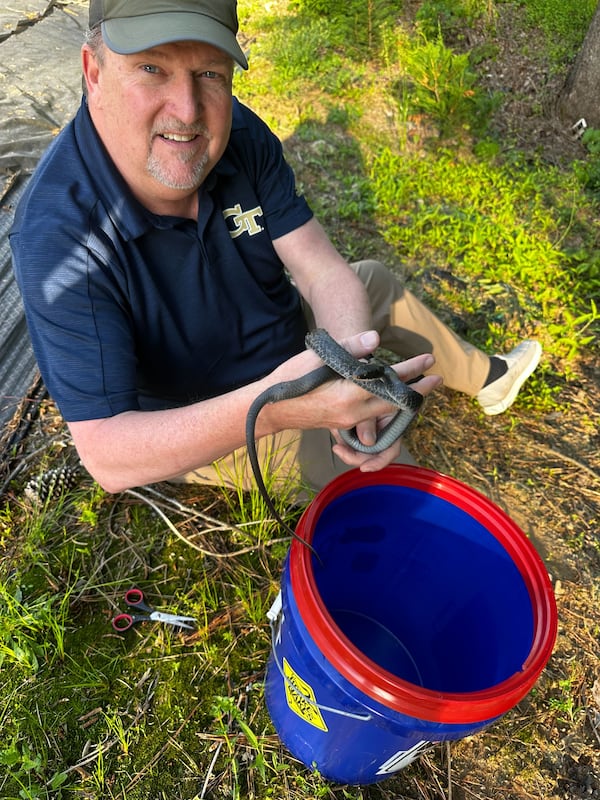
column 164, row 115
column 170, row 272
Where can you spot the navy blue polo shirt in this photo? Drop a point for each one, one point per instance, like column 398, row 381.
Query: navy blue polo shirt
column 129, row 310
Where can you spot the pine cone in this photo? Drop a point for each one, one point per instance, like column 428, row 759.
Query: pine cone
column 51, row 484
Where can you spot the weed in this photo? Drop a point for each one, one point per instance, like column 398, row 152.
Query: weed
column 31, row 629
column 440, row 83
column 451, row 18
column 356, row 26
column 588, row 171
column 292, row 50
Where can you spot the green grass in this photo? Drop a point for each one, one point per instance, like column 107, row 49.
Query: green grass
column 563, row 24
column 387, row 126
column 83, row 706
column 497, row 224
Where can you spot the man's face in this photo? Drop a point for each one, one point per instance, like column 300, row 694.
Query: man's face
column 164, row 116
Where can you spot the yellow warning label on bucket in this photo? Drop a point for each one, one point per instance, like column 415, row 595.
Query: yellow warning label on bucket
column 301, row 698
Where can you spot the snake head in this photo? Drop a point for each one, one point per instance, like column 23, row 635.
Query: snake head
column 369, row 371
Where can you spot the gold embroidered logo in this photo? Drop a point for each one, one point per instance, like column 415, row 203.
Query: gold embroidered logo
column 244, row 221
column 301, row 698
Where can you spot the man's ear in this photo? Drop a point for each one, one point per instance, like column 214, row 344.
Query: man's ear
column 91, row 70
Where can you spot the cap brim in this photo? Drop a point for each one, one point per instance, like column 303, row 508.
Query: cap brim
column 128, row 35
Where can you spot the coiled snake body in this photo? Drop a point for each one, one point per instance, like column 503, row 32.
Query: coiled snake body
column 373, row 376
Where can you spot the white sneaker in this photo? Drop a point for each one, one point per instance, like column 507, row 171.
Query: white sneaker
column 501, row 393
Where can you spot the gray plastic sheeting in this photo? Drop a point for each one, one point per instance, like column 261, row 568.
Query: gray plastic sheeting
column 40, row 90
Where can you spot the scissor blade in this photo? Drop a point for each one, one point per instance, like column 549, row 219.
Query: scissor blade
column 173, row 619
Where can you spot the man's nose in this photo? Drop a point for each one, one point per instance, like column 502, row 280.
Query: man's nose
column 185, row 100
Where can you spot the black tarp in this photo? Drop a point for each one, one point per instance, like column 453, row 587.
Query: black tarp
column 40, row 89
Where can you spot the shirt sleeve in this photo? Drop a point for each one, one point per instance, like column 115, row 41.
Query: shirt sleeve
column 261, row 155
column 76, row 313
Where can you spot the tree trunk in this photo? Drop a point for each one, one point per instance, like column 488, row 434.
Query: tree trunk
column 580, row 97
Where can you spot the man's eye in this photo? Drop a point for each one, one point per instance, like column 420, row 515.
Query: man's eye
column 150, row 68
column 210, row 74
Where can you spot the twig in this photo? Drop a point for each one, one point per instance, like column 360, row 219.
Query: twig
column 439, row 785
column 218, row 525
column 172, row 527
column 190, row 543
column 594, row 724
column 584, row 490
column 209, row 772
column 573, row 461
column 449, row 758
column 420, row 790
column 445, row 458
column 471, row 792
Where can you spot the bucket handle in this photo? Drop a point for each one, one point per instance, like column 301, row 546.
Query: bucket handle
column 274, row 617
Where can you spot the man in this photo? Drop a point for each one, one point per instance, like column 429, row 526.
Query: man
column 153, row 247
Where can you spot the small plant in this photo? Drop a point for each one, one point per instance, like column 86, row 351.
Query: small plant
column 450, row 18
column 230, row 724
column 31, row 630
column 356, row 26
column 440, row 83
column 588, row 172
column 24, row 767
column 564, row 705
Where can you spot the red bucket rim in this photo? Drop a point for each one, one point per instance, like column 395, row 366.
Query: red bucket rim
column 385, row 687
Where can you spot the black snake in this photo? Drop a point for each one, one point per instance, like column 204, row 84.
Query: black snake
column 374, row 376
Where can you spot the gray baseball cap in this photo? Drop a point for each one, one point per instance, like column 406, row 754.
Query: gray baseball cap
column 129, row 26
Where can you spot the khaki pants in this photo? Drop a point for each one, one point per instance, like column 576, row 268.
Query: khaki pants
column 407, row 328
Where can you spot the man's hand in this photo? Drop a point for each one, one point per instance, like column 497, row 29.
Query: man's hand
column 343, row 404
column 367, row 429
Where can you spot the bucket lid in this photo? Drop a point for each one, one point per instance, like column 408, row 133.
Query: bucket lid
column 384, row 686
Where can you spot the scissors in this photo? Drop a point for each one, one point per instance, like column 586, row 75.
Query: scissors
column 135, row 599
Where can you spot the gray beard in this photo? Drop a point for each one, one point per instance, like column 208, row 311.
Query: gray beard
column 159, row 173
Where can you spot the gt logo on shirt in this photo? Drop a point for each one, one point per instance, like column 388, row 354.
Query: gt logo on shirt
column 244, row 221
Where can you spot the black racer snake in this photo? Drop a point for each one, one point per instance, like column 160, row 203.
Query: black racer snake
column 372, row 375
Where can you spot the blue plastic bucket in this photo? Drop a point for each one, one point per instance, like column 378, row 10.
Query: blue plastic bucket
column 425, row 616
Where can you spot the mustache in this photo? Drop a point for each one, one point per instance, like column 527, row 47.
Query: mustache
column 178, row 127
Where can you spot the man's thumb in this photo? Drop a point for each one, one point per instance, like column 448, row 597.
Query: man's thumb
column 362, row 344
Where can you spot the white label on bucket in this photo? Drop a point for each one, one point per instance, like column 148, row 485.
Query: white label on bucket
column 301, row 698
column 402, row 758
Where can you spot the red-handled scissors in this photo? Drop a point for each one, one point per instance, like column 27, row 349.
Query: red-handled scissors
column 135, row 599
